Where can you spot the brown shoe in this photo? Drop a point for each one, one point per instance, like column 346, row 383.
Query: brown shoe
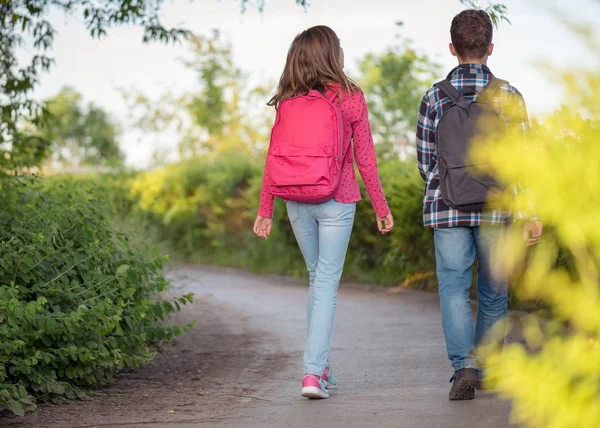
column 465, row 381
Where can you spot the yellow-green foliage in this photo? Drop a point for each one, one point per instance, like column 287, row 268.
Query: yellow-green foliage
column 199, row 203
column 556, row 383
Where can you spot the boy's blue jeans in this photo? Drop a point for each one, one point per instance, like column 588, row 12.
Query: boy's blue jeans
column 456, row 249
column 323, row 232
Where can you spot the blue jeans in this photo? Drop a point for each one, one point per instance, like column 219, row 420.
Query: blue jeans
column 455, row 251
column 323, row 232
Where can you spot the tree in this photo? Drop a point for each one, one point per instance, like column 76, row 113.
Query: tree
column 79, row 135
column 394, row 82
column 21, row 20
column 214, row 118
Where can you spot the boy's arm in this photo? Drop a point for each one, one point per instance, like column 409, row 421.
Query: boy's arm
column 533, row 227
column 425, row 137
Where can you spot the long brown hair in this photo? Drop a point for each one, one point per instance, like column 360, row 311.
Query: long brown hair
column 314, row 61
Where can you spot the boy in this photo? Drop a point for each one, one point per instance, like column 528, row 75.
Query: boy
column 462, row 237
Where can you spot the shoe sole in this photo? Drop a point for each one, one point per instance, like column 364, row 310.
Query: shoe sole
column 465, row 390
column 314, row 392
column 330, row 386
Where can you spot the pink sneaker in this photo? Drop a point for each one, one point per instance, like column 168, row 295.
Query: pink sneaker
column 313, row 387
column 330, row 381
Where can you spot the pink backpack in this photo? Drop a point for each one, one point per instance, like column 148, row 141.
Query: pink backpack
column 305, row 155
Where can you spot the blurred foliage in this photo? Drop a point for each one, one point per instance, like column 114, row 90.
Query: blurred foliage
column 214, row 117
column 77, row 135
column 554, row 381
column 200, row 203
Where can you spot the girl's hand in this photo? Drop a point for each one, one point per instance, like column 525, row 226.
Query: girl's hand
column 262, row 226
column 388, row 224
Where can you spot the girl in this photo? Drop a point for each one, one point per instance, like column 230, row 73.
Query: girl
column 315, row 61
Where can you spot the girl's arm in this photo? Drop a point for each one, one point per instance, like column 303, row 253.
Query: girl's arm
column 366, row 159
column 267, row 200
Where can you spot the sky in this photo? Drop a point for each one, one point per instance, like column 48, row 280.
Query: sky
column 99, row 69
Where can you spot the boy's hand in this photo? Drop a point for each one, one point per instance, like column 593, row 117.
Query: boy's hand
column 532, row 232
column 388, row 224
column 262, row 226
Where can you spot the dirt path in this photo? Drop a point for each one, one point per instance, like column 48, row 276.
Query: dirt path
column 242, row 364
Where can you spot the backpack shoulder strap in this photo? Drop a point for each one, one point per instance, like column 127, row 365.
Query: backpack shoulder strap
column 451, row 92
column 492, row 88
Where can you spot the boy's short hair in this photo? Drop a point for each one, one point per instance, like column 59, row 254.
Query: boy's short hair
column 471, row 33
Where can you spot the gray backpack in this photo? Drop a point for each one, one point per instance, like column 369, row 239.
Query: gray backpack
column 462, row 123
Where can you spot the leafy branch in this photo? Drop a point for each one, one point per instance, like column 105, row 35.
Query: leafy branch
column 497, row 11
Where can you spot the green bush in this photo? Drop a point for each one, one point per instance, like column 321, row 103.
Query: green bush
column 77, row 300
column 407, row 253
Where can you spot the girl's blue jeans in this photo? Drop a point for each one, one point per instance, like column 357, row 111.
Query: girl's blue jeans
column 322, row 232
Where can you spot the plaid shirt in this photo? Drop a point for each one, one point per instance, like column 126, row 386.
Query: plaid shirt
column 435, row 212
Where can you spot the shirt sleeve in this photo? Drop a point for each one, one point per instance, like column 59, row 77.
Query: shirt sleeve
column 425, row 137
column 267, row 199
column 520, row 117
column 366, row 159
column 522, row 113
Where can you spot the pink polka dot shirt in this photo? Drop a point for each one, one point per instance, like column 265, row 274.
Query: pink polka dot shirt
column 355, row 119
